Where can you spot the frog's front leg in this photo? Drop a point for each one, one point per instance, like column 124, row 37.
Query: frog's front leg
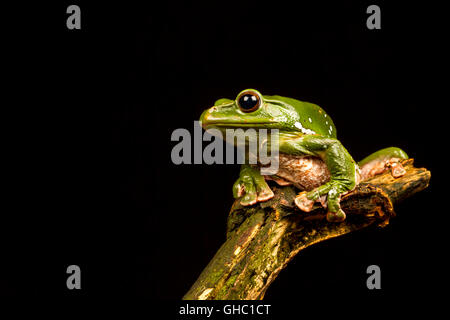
column 342, row 168
column 251, row 186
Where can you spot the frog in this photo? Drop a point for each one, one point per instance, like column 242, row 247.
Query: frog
column 311, row 157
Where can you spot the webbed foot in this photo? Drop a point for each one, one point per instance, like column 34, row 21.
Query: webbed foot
column 396, row 167
column 382, row 160
column 338, row 216
column 333, row 191
column 303, row 203
column 251, row 187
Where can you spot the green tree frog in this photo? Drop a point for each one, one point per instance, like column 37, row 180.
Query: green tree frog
column 310, row 155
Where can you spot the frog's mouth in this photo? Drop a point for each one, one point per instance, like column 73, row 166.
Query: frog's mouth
column 209, row 120
column 234, row 125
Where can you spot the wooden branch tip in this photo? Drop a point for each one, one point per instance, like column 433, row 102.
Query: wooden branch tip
column 262, row 239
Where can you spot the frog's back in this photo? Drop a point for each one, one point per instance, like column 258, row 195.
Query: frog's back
column 312, row 116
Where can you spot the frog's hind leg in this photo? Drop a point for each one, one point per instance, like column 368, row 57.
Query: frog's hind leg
column 378, row 162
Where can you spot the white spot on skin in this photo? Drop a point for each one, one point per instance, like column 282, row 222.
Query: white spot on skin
column 304, row 130
column 325, row 115
column 326, row 122
column 310, row 120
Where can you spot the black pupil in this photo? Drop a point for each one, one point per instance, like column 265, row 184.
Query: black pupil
column 248, row 101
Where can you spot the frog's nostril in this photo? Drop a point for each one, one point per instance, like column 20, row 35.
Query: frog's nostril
column 209, row 115
column 205, row 117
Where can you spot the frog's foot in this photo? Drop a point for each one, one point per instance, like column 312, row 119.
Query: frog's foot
column 333, row 191
column 303, row 203
column 396, row 167
column 382, row 160
column 252, row 188
column 338, row 216
column 379, row 166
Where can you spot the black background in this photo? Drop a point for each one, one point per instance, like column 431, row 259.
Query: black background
column 92, row 179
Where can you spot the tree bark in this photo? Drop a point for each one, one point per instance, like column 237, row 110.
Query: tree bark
column 262, row 239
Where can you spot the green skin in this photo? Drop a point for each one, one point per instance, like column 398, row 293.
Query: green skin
column 304, row 129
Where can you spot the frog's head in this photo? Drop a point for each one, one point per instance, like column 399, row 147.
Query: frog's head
column 250, row 109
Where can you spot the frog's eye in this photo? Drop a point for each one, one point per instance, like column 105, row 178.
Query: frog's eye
column 249, row 101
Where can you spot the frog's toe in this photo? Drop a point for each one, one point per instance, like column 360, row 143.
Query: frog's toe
column 303, row 203
column 263, row 189
column 238, row 189
column 323, row 201
column 246, row 190
column 337, row 216
column 265, row 194
column 253, row 193
column 249, row 199
column 333, row 192
column 397, row 169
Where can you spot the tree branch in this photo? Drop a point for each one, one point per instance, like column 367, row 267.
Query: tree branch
column 262, row 239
